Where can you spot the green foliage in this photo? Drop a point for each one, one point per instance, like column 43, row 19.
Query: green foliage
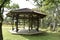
column 47, row 4
column 4, row 2
column 14, row 6
column 49, row 7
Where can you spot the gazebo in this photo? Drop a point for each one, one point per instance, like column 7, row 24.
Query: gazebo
column 27, row 17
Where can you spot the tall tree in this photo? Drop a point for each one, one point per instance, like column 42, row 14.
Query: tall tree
column 50, row 6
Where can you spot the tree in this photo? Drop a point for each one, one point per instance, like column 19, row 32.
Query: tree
column 2, row 4
column 49, row 6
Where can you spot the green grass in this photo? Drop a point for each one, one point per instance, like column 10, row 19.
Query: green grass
column 45, row 36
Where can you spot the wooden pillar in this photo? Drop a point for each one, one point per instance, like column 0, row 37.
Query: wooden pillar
column 12, row 22
column 29, row 22
column 16, row 23
column 24, row 21
column 37, row 24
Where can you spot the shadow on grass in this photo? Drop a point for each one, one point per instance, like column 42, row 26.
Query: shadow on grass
column 40, row 34
column 36, row 36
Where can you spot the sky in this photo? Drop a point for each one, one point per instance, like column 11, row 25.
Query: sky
column 24, row 3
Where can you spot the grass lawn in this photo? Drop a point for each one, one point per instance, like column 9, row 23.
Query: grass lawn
column 45, row 36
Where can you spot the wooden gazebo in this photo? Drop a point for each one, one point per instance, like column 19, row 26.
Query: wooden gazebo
column 28, row 15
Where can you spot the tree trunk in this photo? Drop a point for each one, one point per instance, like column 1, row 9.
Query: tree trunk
column 1, row 21
column 1, row 36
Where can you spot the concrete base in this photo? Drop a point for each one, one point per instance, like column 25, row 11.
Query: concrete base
column 25, row 31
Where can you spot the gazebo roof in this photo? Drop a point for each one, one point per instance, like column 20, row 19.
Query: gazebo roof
column 25, row 10
column 22, row 10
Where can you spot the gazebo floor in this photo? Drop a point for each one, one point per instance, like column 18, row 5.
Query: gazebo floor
column 25, row 31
